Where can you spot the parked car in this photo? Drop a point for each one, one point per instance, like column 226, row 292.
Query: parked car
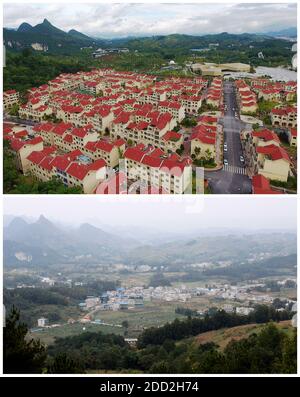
column 225, row 162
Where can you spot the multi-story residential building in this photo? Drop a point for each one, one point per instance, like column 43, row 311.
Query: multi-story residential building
column 73, row 169
column 270, row 94
column 285, row 117
column 109, row 151
column 292, row 136
column 35, row 109
column 22, row 149
column 40, row 163
column 264, row 155
column 70, row 114
column 203, row 143
column 171, row 141
column 174, row 108
column 191, row 103
column 92, row 87
column 246, row 97
column 151, row 166
column 273, row 162
column 10, row 98
column 100, row 117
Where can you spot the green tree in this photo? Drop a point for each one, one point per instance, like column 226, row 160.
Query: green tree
column 21, row 355
column 63, row 364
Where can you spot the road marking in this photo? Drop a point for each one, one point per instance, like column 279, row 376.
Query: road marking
column 234, row 169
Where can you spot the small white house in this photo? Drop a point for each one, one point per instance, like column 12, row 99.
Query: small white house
column 42, row 322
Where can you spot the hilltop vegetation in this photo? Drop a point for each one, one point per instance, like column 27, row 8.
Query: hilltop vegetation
column 48, row 36
column 69, row 52
column 270, row 350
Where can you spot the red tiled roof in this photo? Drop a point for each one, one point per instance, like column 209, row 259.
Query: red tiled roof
column 135, row 153
column 261, row 185
column 61, row 128
column 175, row 167
column 103, row 145
column 266, row 135
column 17, row 144
column 275, row 152
column 172, row 136
column 119, row 142
column 151, row 161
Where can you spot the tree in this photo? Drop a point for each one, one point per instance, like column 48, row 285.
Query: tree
column 208, row 154
column 14, row 110
column 125, row 325
column 197, row 151
column 289, row 355
column 62, row 364
column 19, row 354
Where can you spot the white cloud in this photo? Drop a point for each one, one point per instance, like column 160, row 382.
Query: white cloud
column 111, row 20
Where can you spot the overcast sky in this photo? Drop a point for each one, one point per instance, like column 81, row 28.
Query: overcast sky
column 125, row 19
column 174, row 214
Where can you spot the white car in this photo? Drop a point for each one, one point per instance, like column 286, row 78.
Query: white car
column 225, row 147
column 225, row 162
column 242, row 160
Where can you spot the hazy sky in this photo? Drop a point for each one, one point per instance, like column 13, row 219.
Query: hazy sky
column 177, row 213
column 126, row 19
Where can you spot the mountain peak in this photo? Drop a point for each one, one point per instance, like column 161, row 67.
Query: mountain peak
column 43, row 220
column 46, row 22
column 24, row 27
column 18, row 222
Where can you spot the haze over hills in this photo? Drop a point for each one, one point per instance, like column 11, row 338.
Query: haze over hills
column 52, row 39
column 43, row 243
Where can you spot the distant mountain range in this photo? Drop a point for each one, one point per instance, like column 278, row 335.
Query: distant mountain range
column 42, row 243
column 290, row 32
column 46, row 37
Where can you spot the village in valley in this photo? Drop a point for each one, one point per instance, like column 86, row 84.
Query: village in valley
column 108, row 131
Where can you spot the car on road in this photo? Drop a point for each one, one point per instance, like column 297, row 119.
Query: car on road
column 225, row 147
column 242, row 160
column 225, row 162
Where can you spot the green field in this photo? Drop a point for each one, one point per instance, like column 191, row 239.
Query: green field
column 138, row 319
column 48, row 335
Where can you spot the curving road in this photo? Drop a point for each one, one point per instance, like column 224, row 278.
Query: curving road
column 232, row 179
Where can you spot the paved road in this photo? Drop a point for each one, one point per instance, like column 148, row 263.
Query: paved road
column 232, row 179
column 11, row 119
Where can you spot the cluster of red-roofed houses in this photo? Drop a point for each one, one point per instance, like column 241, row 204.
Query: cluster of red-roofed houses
column 153, row 167
column 274, row 91
column 77, row 112
column 214, row 95
column 73, row 168
column 204, row 137
column 246, row 97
